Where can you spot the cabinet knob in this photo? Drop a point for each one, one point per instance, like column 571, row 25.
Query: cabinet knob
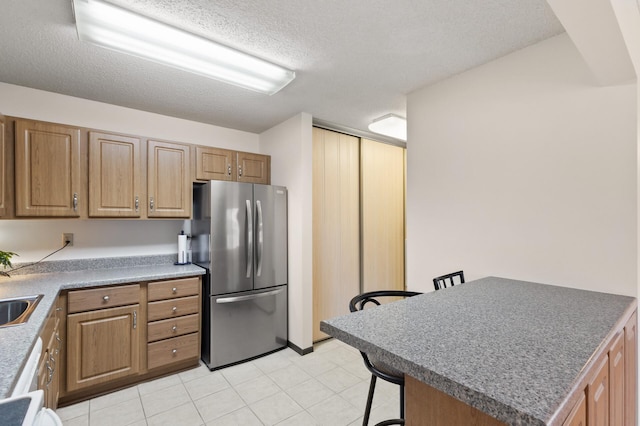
column 175, row 309
column 105, row 298
column 174, row 290
column 151, row 204
column 175, row 351
column 174, row 328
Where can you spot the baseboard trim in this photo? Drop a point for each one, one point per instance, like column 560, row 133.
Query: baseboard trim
column 299, row 350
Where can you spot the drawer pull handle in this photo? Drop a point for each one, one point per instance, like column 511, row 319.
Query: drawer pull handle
column 175, row 351
column 175, row 309
column 105, row 298
column 174, row 328
column 174, row 290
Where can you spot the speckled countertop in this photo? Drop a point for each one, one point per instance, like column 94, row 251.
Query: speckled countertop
column 16, row 342
column 511, row 349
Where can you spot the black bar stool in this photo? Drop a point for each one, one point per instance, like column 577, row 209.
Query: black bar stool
column 441, row 281
column 377, row 368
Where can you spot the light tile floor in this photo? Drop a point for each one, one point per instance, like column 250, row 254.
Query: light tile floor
column 327, row 387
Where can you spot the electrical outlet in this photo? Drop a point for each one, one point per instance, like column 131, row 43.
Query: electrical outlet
column 67, row 237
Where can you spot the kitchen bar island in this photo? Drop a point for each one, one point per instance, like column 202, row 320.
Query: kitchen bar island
column 497, row 351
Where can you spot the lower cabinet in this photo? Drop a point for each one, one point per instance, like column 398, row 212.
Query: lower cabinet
column 173, row 331
column 631, row 370
column 598, row 395
column 578, row 416
column 119, row 335
column 611, row 389
column 103, row 345
column 50, row 360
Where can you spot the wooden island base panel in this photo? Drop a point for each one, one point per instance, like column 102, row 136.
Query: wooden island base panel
column 605, row 393
column 427, row 406
column 567, row 357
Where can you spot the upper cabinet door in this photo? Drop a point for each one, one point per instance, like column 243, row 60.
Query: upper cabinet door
column 47, row 166
column 214, row 163
column 253, row 168
column 168, row 180
column 114, row 176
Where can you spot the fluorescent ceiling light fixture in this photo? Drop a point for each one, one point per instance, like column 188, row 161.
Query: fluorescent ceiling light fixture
column 390, row 125
column 119, row 29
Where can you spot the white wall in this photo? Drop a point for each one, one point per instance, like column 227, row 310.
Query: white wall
column 524, row 168
column 32, row 239
column 290, row 147
column 24, row 102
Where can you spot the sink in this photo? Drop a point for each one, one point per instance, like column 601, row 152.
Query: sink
column 17, row 310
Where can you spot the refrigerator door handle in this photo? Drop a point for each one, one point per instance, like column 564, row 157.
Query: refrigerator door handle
column 260, row 237
column 249, row 297
column 249, row 225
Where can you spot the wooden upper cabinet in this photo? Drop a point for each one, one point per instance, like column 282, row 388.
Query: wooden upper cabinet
column 47, row 169
column 253, row 168
column 214, row 163
column 114, row 176
column 168, row 180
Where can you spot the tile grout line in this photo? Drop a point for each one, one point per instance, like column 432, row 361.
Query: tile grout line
column 283, row 361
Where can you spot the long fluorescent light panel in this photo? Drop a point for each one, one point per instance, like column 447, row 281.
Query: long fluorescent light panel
column 119, row 29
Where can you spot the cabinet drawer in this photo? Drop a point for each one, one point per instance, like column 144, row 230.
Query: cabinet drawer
column 173, row 308
column 172, row 327
column 172, row 350
column 175, row 288
column 107, row 297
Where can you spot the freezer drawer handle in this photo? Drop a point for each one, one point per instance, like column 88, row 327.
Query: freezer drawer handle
column 249, row 297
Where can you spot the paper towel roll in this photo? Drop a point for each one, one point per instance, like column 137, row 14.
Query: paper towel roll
column 182, row 248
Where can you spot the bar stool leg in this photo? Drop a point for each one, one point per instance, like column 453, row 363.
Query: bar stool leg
column 402, row 401
column 367, row 410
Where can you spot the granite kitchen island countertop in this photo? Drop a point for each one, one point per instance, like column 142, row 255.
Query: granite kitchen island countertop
column 16, row 342
column 514, row 350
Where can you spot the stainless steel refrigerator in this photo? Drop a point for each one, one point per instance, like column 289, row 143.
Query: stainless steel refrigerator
column 239, row 235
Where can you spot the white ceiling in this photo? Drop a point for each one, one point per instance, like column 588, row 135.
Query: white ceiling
column 355, row 60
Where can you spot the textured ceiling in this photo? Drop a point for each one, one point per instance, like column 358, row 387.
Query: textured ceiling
column 355, row 60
